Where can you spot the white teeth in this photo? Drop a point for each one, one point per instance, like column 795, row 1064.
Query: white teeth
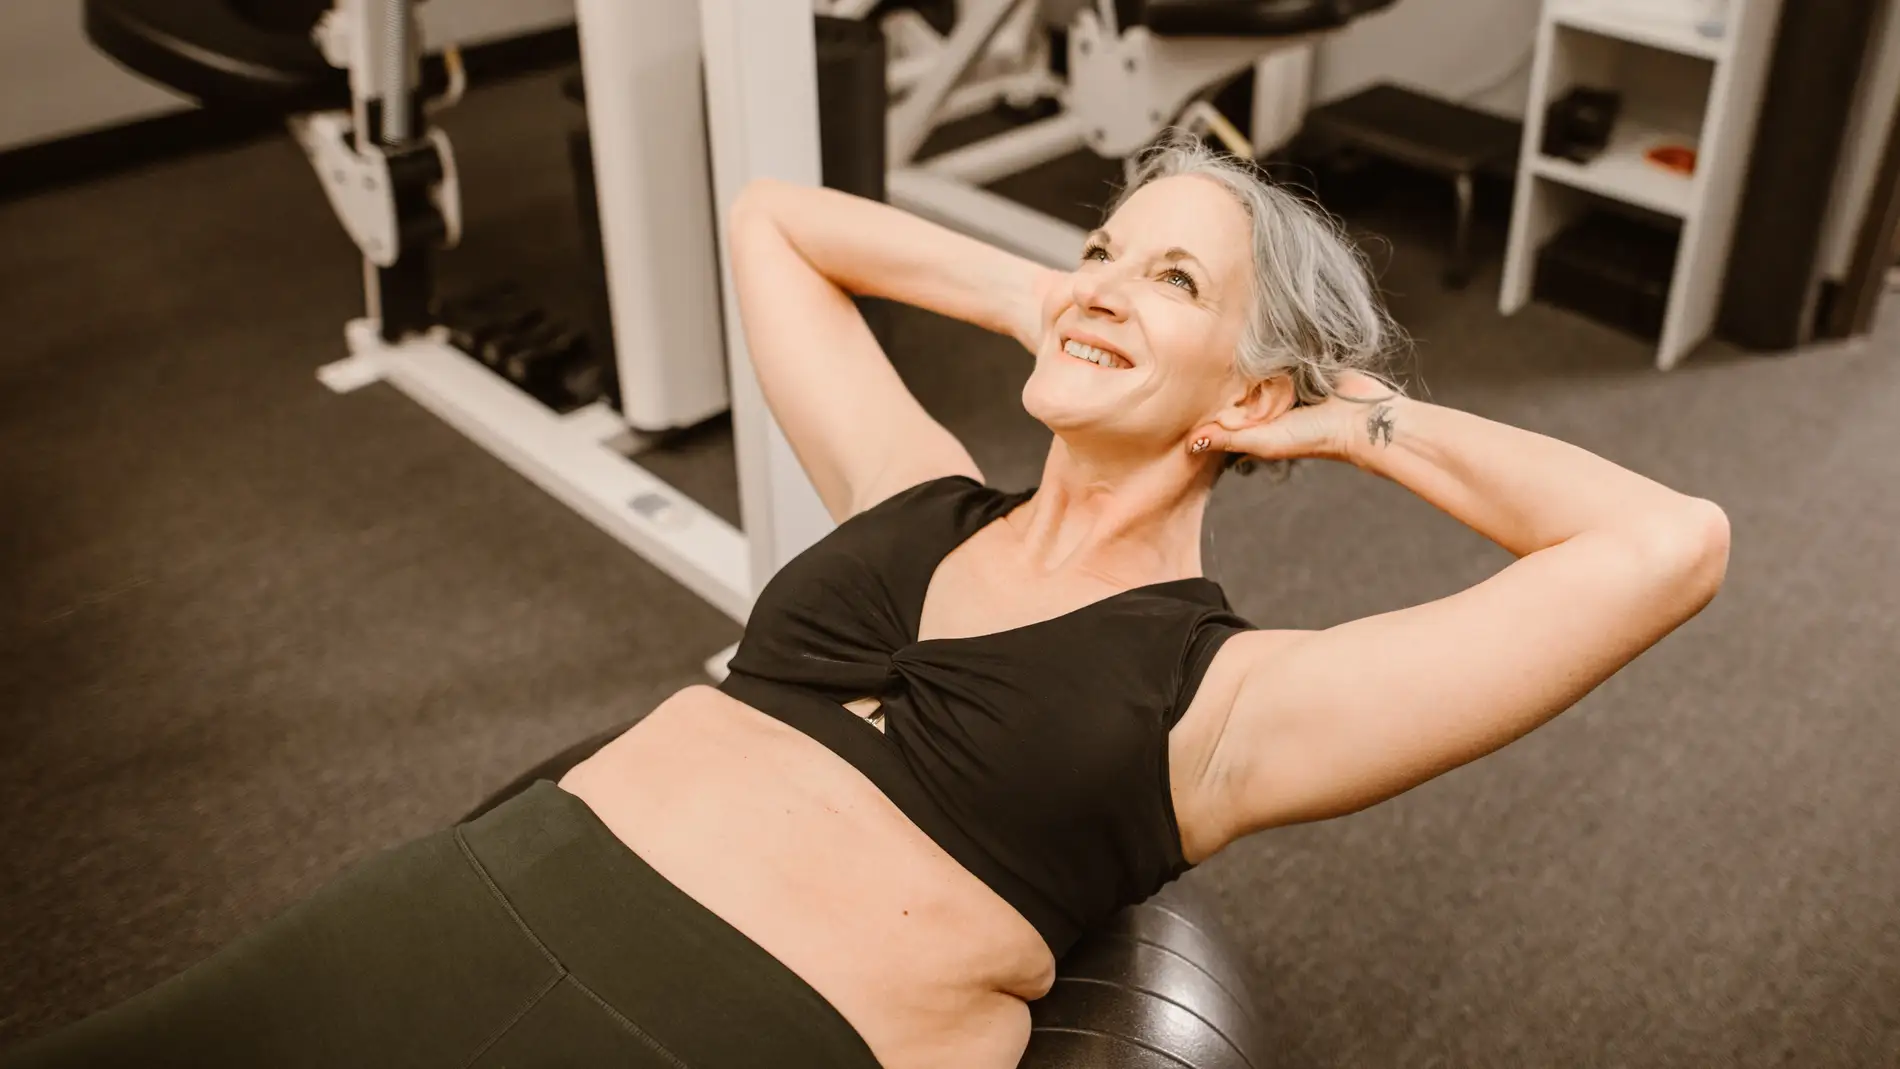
column 1090, row 353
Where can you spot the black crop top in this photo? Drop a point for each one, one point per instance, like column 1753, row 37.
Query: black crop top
column 1037, row 757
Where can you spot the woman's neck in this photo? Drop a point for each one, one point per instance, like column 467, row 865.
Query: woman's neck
column 1126, row 521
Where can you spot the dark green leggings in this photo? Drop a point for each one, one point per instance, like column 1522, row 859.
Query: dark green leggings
column 529, row 937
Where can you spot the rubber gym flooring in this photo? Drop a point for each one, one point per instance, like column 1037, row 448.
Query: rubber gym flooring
column 254, row 632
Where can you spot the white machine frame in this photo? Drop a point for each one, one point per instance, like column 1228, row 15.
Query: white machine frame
column 1125, row 87
column 640, row 61
column 680, row 350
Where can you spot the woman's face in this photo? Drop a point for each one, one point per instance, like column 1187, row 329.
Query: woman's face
column 1161, row 296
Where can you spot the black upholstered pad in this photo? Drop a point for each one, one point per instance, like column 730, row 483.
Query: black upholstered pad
column 1243, row 18
column 211, row 51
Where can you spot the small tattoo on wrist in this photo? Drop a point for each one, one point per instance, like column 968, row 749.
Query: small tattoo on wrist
column 1379, row 426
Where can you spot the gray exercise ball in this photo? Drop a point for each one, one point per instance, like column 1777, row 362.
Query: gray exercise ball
column 1161, row 986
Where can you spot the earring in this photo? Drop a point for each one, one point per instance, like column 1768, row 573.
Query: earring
column 1200, row 445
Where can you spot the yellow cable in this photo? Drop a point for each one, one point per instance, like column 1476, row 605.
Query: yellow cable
column 458, row 76
column 1226, row 131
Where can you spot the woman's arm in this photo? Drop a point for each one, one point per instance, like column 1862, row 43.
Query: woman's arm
column 797, row 256
column 1520, row 489
column 870, row 249
column 1314, row 724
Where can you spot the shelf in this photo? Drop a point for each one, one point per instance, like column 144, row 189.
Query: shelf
column 1674, row 86
column 1672, row 31
column 1622, row 173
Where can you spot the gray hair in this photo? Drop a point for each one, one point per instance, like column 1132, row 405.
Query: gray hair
column 1316, row 312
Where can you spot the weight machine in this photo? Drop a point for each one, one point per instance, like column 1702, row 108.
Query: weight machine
column 357, row 88
column 394, row 187
column 1135, row 68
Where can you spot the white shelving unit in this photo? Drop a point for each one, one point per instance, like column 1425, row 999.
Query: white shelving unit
column 1665, row 24
column 1679, row 86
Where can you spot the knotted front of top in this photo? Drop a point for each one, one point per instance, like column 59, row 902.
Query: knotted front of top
column 1036, row 757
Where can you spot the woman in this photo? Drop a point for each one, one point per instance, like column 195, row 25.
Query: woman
column 969, row 723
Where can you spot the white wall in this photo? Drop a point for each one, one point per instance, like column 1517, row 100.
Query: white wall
column 54, row 84
column 1449, row 48
column 1867, row 127
column 466, row 22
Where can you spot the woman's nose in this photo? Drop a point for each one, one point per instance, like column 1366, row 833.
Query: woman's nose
column 1098, row 291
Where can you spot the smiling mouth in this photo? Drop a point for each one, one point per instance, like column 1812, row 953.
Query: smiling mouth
column 1099, row 357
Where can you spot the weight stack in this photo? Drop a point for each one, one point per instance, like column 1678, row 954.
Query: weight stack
column 851, row 105
column 852, row 97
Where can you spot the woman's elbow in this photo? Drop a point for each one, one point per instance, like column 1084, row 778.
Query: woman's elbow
column 1715, row 544
column 1693, row 547
column 755, row 200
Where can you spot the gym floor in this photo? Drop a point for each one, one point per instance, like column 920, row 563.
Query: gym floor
column 255, row 632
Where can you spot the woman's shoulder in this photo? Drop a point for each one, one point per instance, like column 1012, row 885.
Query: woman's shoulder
column 964, row 494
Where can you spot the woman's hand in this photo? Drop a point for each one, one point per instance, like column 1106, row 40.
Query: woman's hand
column 1030, row 303
column 870, row 249
column 1358, row 414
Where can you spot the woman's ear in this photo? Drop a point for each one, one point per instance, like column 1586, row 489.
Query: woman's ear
column 1260, row 402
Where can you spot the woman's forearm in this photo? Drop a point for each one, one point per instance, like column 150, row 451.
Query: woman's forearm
column 874, row 250
column 1523, row 490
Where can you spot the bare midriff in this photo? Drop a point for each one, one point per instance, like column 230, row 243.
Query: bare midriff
column 789, row 844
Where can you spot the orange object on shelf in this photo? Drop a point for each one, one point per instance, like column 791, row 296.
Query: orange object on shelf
column 1677, row 158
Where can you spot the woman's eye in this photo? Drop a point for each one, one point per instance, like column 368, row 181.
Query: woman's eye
column 1173, row 275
